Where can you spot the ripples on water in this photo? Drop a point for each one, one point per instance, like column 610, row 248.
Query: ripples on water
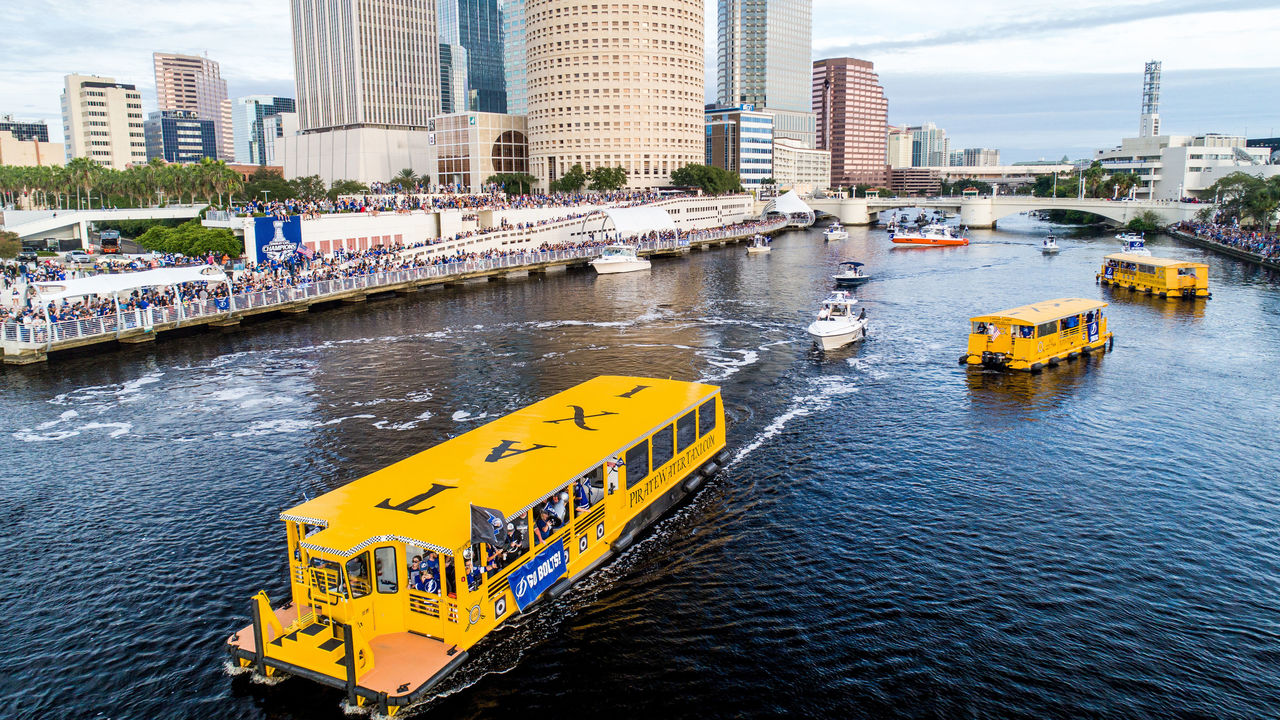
column 895, row 536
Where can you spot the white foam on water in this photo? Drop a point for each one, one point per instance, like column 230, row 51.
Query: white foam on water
column 27, row 435
column 419, row 396
column 826, row 390
column 464, row 415
column 231, row 393
column 65, row 416
column 726, row 366
column 388, row 425
column 117, row 428
column 291, row 425
column 267, row 400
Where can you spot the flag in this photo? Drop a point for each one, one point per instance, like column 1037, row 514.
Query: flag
column 305, row 251
column 488, row 526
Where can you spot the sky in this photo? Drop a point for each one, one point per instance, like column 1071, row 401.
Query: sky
column 1036, row 79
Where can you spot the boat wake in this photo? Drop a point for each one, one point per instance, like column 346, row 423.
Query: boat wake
column 819, row 396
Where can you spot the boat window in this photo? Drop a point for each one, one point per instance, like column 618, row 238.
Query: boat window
column 686, row 431
column 517, row 545
column 450, row 580
column 1025, row 331
column 326, row 576
column 979, row 328
column 384, row 566
column 1049, row 328
column 637, row 463
column 707, row 417
column 358, row 575
column 588, row 490
column 1146, row 269
column 424, row 570
column 1069, row 322
column 550, row 515
column 663, row 445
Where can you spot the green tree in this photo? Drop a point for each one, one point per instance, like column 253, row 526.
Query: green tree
column 9, row 244
column 1249, row 199
column 406, row 178
column 607, row 179
column 268, row 181
column 1093, row 176
column 1146, row 221
column 310, row 187
column 711, row 180
column 84, row 173
column 513, row 183
column 573, row 180
column 346, row 187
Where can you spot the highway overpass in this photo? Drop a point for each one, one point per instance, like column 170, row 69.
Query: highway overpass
column 35, row 224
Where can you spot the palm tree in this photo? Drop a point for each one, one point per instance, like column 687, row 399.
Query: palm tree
column 406, row 178
column 83, row 173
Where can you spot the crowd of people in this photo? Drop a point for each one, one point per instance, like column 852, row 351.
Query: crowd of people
column 392, row 198
column 1266, row 245
column 23, row 307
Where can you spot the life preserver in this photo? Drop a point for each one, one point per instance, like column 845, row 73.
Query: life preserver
column 1040, row 347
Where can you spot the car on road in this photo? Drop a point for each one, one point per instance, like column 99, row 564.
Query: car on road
column 77, row 257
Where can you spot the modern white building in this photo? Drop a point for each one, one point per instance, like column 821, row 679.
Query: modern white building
column 740, row 141
column 929, row 146
column 102, row 120
column 800, row 168
column 1171, row 167
column 899, row 148
column 368, row 77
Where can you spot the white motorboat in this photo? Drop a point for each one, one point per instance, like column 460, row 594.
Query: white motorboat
column 619, row 259
column 835, row 232
column 933, row 234
column 759, row 244
column 852, row 274
column 1133, row 244
column 837, row 325
column 1049, row 246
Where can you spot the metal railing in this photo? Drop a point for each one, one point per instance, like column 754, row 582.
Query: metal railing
column 42, row 334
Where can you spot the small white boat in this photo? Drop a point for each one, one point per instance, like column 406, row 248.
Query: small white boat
column 759, row 244
column 837, row 325
column 1049, row 246
column 933, row 234
column 1133, row 244
column 619, row 259
column 835, row 232
column 852, row 274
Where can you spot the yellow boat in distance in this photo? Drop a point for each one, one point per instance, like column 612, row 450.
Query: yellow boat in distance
column 395, row 576
column 1034, row 336
column 1156, row 276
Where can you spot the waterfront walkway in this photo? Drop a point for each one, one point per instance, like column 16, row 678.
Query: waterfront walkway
column 1255, row 247
column 32, row 343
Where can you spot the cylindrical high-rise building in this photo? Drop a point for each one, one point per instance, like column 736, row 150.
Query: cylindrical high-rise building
column 614, row 84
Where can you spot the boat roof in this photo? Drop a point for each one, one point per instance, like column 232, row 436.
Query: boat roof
column 852, row 262
column 1044, row 311
column 508, row 465
column 1152, row 260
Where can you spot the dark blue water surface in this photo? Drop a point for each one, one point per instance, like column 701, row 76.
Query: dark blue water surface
column 897, row 536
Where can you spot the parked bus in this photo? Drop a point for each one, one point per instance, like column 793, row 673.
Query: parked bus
column 395, row 576
column 109, row 242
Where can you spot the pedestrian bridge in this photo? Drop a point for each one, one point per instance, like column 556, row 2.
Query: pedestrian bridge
column 984, row 212
column 75, row 223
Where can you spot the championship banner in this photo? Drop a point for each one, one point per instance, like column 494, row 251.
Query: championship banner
column 532, row 578
column 276, row 239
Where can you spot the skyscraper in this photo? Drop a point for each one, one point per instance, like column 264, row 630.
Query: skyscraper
column 513, row 40
column 192, row 83
column 180, row 136
column 480, row 32
column 247, row 115
column 929, row 146
column 453, row 58
column 365, row 63
column 764, row 52
column 853, row 120
column 102, row 120
column 615, row 86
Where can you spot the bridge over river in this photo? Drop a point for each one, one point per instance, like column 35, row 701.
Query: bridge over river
column 983, row 212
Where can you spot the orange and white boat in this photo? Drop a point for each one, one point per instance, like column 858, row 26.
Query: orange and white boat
column 930, row 235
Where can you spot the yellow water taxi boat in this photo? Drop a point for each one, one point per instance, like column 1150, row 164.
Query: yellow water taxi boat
column 1034, row 336
column 1156, row 276
column 395, row 576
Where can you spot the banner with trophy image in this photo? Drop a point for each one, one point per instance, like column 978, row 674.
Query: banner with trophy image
column 276, row 239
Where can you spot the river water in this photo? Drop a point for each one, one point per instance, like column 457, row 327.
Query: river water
column 896, row 536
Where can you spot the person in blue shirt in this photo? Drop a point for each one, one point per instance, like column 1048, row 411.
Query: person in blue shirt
column 542, row 527
column 473, row 576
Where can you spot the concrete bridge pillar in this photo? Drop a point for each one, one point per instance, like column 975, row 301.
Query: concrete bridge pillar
column 977, row 213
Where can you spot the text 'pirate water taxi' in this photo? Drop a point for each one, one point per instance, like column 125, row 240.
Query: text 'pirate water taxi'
column 1033, row 336
column 1156, row 276
column 394, row 576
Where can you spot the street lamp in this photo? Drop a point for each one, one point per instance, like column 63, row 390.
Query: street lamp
column 265, row 193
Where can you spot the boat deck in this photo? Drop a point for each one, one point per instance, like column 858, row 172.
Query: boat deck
column 402, row 662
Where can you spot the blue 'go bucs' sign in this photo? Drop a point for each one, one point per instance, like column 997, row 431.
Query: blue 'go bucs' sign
column 535, row 576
